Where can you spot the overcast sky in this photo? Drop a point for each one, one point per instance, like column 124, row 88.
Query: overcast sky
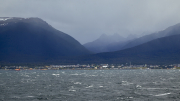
column 86, row 20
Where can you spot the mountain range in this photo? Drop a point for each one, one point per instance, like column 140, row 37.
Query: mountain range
column 165, row 50
column 108, row 44
column 157, row 48
column 25, row 40
column 172, row 30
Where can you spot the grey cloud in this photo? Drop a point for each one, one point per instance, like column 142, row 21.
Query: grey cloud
column 86, row 20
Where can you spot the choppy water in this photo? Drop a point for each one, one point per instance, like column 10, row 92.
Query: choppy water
column 90, row 85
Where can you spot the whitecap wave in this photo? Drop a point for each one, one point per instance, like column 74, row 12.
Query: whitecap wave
column 56, row 74
column 90, row 86
column 92, row 75
column 126, row 83
column 75, row 74
column 153, row 88
column 163, row 94
column 72, row 90
column 77, row 83
column 138, row 86
column 30, row 96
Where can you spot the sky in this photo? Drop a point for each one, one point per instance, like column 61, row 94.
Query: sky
column 86, row 20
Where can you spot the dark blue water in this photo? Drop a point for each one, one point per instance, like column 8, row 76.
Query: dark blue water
column 90, row 85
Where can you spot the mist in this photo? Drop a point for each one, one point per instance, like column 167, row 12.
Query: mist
column 86, row 20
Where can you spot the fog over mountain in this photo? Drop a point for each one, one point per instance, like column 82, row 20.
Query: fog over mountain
column 108, row 43
column 86, row 20
column 172, row 30
column 114, row 43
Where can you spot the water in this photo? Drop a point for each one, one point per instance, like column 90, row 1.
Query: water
column 90, row 85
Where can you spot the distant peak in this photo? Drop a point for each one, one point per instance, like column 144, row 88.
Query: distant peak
column 17, row 19
column 4, row 21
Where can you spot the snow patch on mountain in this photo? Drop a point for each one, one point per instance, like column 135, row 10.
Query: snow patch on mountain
column 4, row 19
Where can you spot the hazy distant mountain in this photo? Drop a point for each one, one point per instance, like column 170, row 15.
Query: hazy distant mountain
column 33, row 39
column 107, row 43
column 100, row 45
column 119, row 45
column 162, row 50
column 173, row 30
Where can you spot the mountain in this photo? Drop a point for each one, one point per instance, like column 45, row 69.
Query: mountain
column 165, row 50
column 107, row 43
column 116, row 46
column 32, row 39
column 100, row 44
column 173, row 30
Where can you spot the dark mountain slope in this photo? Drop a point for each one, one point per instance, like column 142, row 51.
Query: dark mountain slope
column 33, row 39
column 162, row 50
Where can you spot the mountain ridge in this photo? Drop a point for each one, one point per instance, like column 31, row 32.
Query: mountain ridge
column 172, row 30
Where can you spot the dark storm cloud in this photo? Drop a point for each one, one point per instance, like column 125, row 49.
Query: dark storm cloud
column 86, row 20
